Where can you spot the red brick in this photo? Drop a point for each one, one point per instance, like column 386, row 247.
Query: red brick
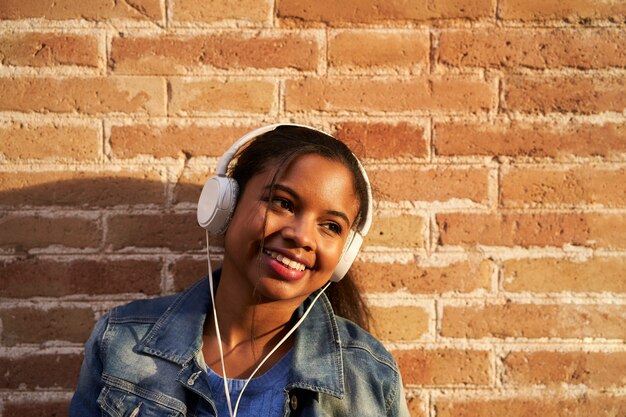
column 48, row 49
column 582, row 185
column 223, row 51
column 92, row 10
column 462, row 277
column 81, row 189
column 189, row 186
column 607, row 230
column 176, row 232
column 576, row 94
column 128, row 141
column 36, row 277
column 384, row 140
column 598, row 274
column 440, row 184
column 549, row 229
column 417, row 407
column 400, row 231
column 34, row 371
column 37, row 408
column 219, row 10
column 443, row 366
column 369, row 49
column 534, row 321
column 83, row 95
column 187, row 271
column 19, row 141
column 547, row 406
column 27, row 232
column 530, row 139
column 532, row 48
column 566, row 10
column 399, row 323
column 200, row 97
column 30, row 325
column 377, row 11
column 593, row 369
column 450, row 94
column 513, row 229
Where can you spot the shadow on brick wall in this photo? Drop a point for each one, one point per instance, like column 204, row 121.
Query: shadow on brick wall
column 71, row 249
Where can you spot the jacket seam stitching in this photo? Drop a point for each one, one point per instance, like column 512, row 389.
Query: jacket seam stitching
column 378, row 358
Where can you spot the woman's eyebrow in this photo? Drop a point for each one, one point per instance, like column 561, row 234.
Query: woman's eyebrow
column 284, row 188
column 339, row 214
column 295, row 195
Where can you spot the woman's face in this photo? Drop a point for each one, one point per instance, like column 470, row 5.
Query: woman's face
column 305, row 225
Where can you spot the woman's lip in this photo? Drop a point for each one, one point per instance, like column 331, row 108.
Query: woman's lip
column 282, row 270
column 290, row 256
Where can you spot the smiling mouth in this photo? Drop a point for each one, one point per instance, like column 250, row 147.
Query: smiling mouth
column 290, row 263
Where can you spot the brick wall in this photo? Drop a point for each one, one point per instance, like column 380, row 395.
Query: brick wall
column 493, row 131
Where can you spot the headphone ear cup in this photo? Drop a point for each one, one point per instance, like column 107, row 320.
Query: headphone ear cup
column 355, row 240
column 217, row 203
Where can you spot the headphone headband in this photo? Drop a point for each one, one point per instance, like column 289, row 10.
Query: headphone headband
column 222, row 166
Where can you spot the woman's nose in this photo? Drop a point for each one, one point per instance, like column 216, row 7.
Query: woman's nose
column 301, row 231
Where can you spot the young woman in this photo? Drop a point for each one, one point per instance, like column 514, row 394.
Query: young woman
column 259, row 337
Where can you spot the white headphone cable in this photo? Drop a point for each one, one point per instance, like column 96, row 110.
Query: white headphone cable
column 233, row 413
column 289, row 333
column 217, row 327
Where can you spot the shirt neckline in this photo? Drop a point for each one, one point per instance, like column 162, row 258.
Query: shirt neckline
column 277, row 372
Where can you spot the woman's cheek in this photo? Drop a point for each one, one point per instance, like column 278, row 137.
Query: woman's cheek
column 254, row 219
column 334, row 249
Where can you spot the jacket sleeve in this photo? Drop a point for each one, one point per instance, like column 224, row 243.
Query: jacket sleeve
column 397, row 406
column 84, row 401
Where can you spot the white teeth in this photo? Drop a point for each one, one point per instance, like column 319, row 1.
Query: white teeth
column 286, row 261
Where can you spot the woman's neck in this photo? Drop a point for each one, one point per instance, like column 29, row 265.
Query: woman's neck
column 243, row 314
column 249, row 328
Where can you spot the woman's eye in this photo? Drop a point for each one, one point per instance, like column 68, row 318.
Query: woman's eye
column 334, row 227
column 282, row 203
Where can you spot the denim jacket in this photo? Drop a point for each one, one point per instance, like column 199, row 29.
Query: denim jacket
column 142, row 359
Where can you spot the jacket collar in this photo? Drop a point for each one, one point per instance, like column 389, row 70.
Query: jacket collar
column 317, row 359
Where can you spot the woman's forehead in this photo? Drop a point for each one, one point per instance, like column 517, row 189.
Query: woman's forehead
column 310, row 167
column 315, row 177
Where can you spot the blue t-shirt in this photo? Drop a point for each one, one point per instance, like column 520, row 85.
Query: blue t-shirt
column 264, row 396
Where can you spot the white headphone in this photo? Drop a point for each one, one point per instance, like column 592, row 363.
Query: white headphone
column 219, row 197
